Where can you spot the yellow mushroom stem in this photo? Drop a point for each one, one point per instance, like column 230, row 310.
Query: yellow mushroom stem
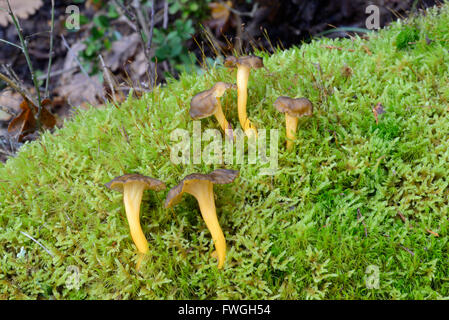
column 224, row 124
column 132, row 197
column 291, row 123
column 242, row 97
column 204, row 193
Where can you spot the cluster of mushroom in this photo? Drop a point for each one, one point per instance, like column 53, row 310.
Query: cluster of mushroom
column 202, row 105
column 198, row 185
column 207, row 103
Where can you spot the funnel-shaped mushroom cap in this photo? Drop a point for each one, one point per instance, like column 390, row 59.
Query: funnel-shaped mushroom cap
column 294, row 107
column 251, row 61
column 204, row 104
column 147, row 182
column 220, row 176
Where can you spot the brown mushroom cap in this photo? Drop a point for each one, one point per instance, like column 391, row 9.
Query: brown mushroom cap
column 294, row 107
column 219, row 176
column 251, row 61
column 148, row 182
column 204, row 104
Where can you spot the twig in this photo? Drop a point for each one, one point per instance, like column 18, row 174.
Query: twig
column 16, row 87
column 133, row 88
column 123, row 10
column 407, row 249
column 64, row 42
column 402, row 216
column 11, row 44
column 150, row 39
column 141, row 18
column 142, row 28
column 30, row 66
column 107, row 76
column 57, row 73
column 165, row 21
column 51, row 47
column 30, row 237
column 125, row 134
column 165, row 26
column 11, row 74
column 239, row 13
column 6, row 153
column 7, row 110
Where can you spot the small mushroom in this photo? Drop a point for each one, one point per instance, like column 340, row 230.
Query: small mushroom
column 244, row 65
column 132, row 186
column 293, row 109
column 201, row 187
column 207, row 103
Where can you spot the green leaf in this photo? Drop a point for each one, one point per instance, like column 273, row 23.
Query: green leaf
column 101, row 21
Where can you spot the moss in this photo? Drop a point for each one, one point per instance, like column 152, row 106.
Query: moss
column 406, row 37
column 310, row 231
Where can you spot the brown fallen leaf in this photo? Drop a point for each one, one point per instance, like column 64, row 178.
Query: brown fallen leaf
column 378, row 110
column 9, row 104
column 25, row 122
column 220, row 15
column 121, row 51
column 22, row 9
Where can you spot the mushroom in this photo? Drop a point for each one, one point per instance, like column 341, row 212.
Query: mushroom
column 132, row 186
column 201, row 187
column 293, row 109
column 207, row 103
column 244, row 65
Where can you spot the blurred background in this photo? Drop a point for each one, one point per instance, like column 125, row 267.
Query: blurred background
column 101, row 49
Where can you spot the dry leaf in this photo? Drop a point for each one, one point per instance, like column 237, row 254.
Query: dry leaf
column 10, row 100
column 74, row 86
column 22, row 9
column 122, row 50
column 25, row 122
column 220, row 15
column 79, row 89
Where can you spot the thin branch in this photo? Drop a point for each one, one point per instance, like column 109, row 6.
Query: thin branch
column 150, row 39
column 165, row 21
column 16, row 87
column 107, row 76
column 142, row 28
column 11, row 74
column 57, row 73
column 124, row 10
column 30, row 237
column 7, row 110
column 51, row 47
column 239, row 13
column 30, row 66
column 11, row 44
column 165, row 26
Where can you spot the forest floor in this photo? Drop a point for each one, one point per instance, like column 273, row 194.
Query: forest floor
column 358, row 209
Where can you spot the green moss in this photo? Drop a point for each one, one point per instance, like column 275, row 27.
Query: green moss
column 406, row 37
column 310, row 231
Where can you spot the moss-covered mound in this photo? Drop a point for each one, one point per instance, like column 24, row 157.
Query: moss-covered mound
column 354, row 202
